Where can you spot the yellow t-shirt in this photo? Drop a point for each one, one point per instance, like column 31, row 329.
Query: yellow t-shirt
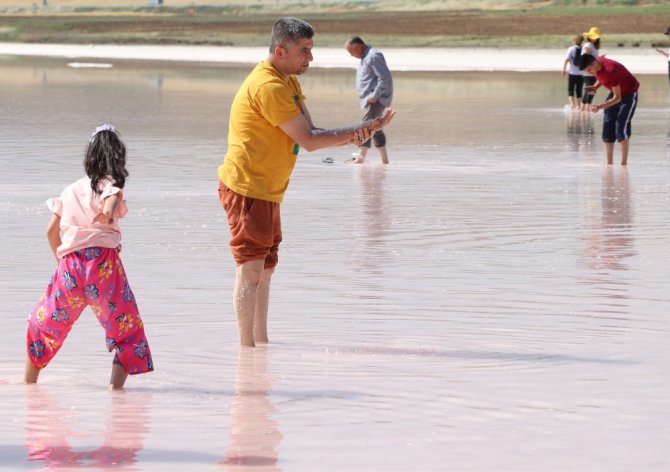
column 261, row 157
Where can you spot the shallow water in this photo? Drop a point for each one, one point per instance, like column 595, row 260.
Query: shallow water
column 495, row 299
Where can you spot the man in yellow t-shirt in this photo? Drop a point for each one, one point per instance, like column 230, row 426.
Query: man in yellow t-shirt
column 269, row 123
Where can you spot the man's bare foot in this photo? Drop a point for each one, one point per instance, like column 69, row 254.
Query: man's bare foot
column 356, row 159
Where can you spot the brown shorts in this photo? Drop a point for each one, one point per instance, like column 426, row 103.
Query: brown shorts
column 255, row 227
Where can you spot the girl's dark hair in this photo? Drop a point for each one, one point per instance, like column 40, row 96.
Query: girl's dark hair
column 106, row 158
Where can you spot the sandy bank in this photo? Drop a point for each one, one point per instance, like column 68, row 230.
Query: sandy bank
column 640, row 61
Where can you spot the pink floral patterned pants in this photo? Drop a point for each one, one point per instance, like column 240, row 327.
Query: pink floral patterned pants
column 90, row 277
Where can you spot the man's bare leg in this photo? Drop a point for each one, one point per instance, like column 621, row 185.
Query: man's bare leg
column 245, row 295
column 31, row 372
column 362, row 152
column 262, row 303
column 383, row 154
column 609, row 153
column 624, row 152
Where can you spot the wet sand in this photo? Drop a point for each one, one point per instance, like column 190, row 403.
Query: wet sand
column 495, row 299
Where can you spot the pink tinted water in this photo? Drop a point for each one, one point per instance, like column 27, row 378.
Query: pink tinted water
column 495, row 299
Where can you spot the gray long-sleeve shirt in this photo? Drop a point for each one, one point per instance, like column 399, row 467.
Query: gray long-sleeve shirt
column 373, row 78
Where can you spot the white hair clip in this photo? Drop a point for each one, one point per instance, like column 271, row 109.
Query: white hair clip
column 105, row 127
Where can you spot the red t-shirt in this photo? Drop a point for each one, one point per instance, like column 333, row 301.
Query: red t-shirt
column 613, row 74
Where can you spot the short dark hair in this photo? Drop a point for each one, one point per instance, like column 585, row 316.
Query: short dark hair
column 356, row 40
column 289, row 30
column 584, row 61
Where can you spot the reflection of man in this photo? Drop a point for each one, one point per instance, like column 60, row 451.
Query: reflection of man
column 374, row 87
column 254, row 435
column 369, row 232
column 620, row 104
column 611, row 236
column 269, row 123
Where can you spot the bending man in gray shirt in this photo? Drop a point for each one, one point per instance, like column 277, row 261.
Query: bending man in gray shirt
column 374, row 87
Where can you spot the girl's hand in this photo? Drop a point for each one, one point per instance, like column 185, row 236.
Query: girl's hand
column 103, row 218
column 595, row 108
column 106, row 216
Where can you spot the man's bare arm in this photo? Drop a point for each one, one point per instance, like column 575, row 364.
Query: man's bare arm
column 310, row 138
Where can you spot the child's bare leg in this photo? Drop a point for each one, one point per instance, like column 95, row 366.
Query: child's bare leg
column 31, row 372
column 624, row 152
column 609, row 152
column 118, row 378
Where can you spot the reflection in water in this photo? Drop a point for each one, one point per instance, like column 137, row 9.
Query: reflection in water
column 372, row 231
column 610, row 239
column 474, row 227
column 254, row 436
column 50, row 426
column 579, row 130
column 155, row 81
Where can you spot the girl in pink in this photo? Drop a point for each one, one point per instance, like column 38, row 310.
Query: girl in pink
column 84, row 236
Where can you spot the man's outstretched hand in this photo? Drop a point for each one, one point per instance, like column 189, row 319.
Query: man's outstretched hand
column 370, row 127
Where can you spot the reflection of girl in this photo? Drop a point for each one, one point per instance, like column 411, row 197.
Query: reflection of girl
column 49, row 425
column 591, row 47
column 575, row 76
column 89, row 269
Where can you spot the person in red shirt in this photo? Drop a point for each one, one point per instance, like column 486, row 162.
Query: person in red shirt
column 619, row 107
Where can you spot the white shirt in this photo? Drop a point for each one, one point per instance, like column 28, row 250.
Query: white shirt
column 573, row 69
column 592, row 50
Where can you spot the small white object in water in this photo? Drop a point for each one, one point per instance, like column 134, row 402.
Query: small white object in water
column 89, row 65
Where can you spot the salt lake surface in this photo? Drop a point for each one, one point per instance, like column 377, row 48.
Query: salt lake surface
column 495, row 299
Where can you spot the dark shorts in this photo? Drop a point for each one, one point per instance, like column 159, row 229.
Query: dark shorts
column 372, row 111
column 255, row 227
column 617, row 119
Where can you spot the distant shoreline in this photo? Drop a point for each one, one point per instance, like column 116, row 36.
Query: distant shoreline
column 637, row 60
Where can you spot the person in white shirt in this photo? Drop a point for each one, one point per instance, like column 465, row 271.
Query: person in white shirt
column 575, row 76
column 592, row 47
